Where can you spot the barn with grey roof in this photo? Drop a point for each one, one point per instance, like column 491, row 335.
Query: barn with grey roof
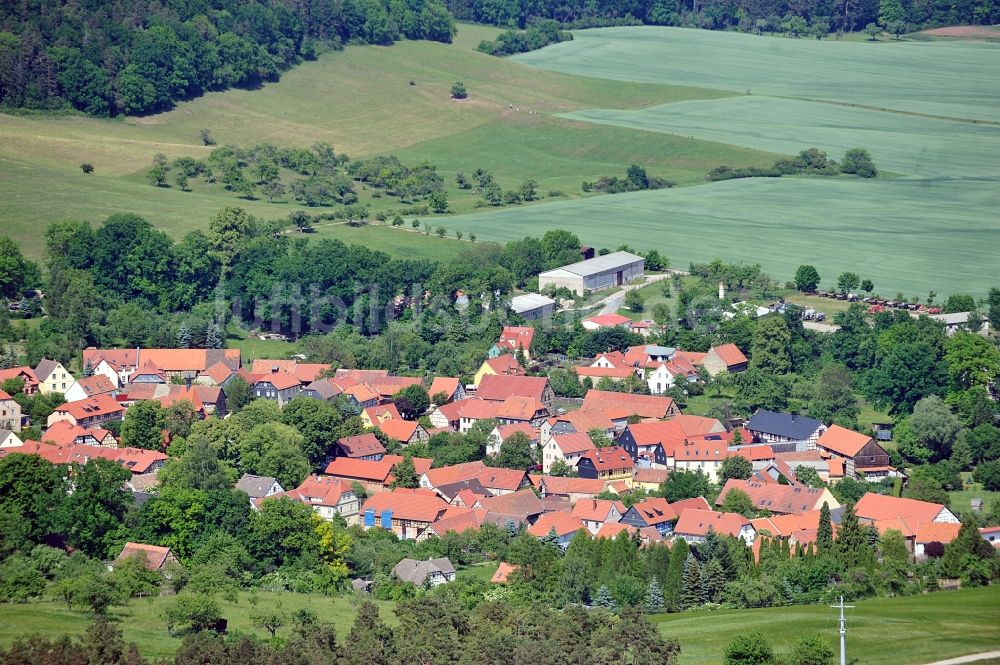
column 601, row 272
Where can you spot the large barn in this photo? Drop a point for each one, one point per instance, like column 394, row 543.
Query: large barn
column 602, row 272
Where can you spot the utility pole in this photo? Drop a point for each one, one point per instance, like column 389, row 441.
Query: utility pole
column 843, row 629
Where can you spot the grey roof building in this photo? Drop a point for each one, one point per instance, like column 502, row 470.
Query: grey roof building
column 601, row 272
column 258, row 487
column 531, row 306
column 772, row 426
column 432, row 571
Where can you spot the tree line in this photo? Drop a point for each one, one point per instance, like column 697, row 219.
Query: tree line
column 813, row 17
column 122, row 57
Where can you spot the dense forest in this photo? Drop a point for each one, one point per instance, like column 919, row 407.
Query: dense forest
column 823, row 16
column 134, row 57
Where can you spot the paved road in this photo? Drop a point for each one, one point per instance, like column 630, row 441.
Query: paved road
column 971, row 658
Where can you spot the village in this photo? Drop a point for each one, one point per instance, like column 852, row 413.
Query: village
column 595, row 468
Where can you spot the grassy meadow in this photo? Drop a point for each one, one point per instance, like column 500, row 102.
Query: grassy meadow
column 142, row 622
column 895, row 631
column 909, row 236
column 892, row 631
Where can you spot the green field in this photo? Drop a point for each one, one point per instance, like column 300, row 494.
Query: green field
column 898, row 631
column 905, row 144
column 950, row 79
column 141, row 620
column 360, row 100
column 906, row 235
column 895, row 631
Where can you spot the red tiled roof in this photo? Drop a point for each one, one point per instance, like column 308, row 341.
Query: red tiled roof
column 96, row 385
column 444, row 384
column 702, row 451
column 729, row 354
column 566, row 486
column 843, row 441
column 517, row 337
column 611, row 372
column 4, row 396
column 612, row 458
column 415, row 505
column 98, row 405
column 503, row 572
column 608, row 320
column 218, row 372
column 561, row 522
column 459, row 520
column 650, row 475
column 880, row 507
column 700, row 426
column 501, row 479
column 521, row 504
column 498, row 388
column 669, row 434
column 698, row 523
column 320, row 491
column 524, row 428
column 359, row 469
column 646, row 406
column 361, row 445
column 505, row 364
column 696, row 503
column 756, row 453
column 655, row 511
column 23, row 372
column 596, row 510
column 398, row 429
column 280, row 380
column 155, row 556
column 446, row 475
column 304, row 372
column 576, row 442
column 170, row 360
column 381, row 411
column 775, row 497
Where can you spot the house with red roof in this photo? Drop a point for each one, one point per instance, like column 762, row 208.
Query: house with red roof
column 304, row 372
column 457, row 520
column 497, row 388
column 503, row 365
column 525, row 410
column 644, row 406
column 503, row 572
column 89, row 386
column 595, row 513
column 567, row 448
column 404, row 431
column 406, row 512
column 606, row 321
column 279, row 387
column 561, row 523
column 26, row 374
column 88, row 412
column 156, row 558
column 373, row 416
column 570, row 490
column 446, row 475
column 654, row 443
column 119, row 364
column 328, row 497
column 694, row 525
column 780, row 499
column 931, row 532
column 724, row 358
column 703, row 455
column 374, row 476
column 446, row 385
column 502, row 481
column 361, row 446
column 517, row 508
column 648, row 478
column 863, row 456
column 607, row 464
column 501, row 433
column 654, row 512
column 65, row 433
column 513, row 340
column 875, row 507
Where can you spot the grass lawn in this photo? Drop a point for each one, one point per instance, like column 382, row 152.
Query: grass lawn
column 960, row 500
column 482, row 571
column 895, row 631
column 251, row 347
column 829, row 306
column 142, row 620
column 399, row 242
column 905, row 235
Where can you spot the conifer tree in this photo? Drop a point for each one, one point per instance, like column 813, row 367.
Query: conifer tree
column 213, row 337
column 674, row 582
column 183, row 337
column 603, row 598
column 713, row 581
column 824, row 535
column 88, row 370
column 693, row 594
column 852, row 542
column 654, row 597
column 551, row 539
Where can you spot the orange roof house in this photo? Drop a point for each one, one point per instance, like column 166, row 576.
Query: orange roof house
column 780, row 499
column 497, row 388
column 88, row 412
column 407, row 513
column 694, row 525
column 361, row 446
column 611, row 463
column 503, row 572
column 563, row 524
column 724, row 358
column 874, row 507
column 644, row 406
column 157, row 558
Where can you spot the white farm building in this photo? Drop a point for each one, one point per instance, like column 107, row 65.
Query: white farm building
column 601, row 272
column 531, row 306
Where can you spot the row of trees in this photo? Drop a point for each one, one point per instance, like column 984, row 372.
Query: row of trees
column 816, row 17
column 140, row 57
